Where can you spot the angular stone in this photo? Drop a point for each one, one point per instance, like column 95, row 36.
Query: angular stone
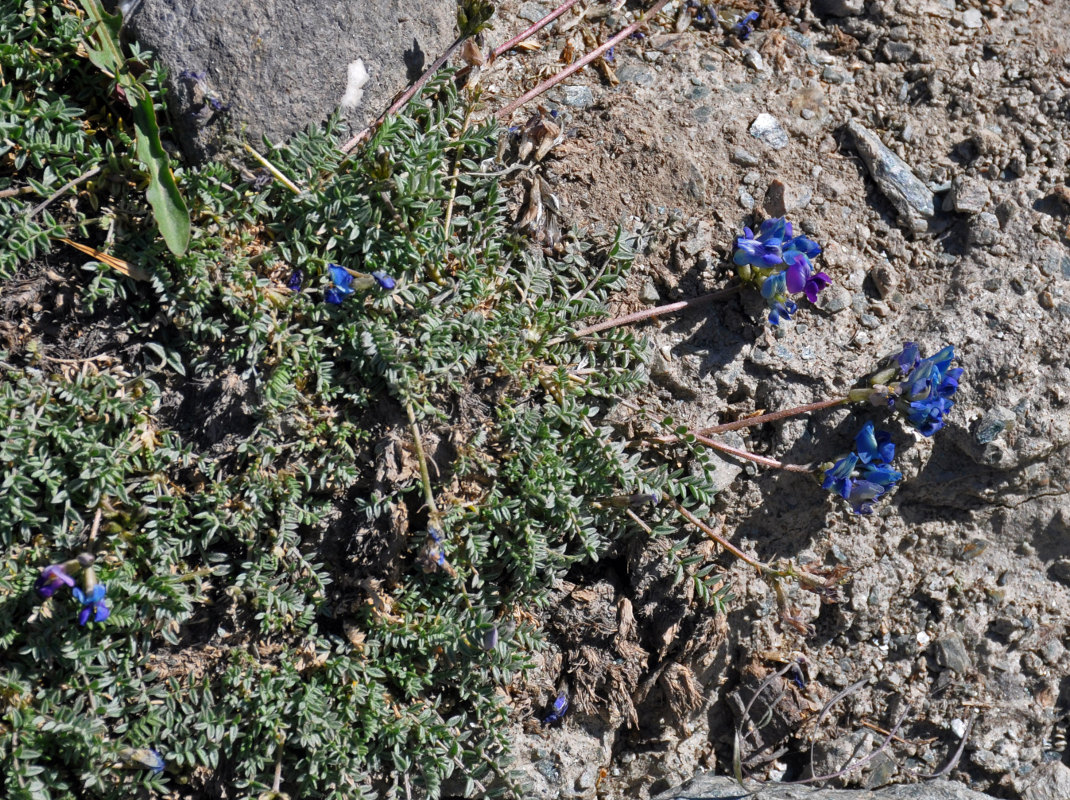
column 838, row 8
column 744, row 158
column 911, row 198
column 967, row 196
column 577, row 96
column 950, row 653
column 782, row 199
column 633, row 73
column 767, row 129
column 281, row 65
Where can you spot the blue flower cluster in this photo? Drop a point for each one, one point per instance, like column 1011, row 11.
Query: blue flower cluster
column 863, row 476
column 780, row 265
column 923, row 393
column 343, row 283
column 55, row 576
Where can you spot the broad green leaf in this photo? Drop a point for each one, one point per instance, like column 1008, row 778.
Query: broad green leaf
column 168, row 207
column 167, row 204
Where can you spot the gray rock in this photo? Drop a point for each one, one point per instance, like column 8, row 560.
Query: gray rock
column 577, row 96
column 719, row 787
column 649, row 292
column 532, row 12
column 753, row 59
column 833, row 75
column 911, row 198
column 833, row 299
column 635, row 73
column 992, row 425
column 838, row 8
column 971, row 18
column 1047, row 782
column 967, row 196
column 744, row 158
column 282, row 64
column 898, row 52
column 767, row 129
column 950, row 653
column 984, row 230
column 1054, row 260
column 696, row 183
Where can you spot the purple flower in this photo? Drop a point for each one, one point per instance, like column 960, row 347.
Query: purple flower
column 52, row 579
column 490, row 638
column 908, row 358
column 800, row 245
column 341, row 286
column 863, row 476
column 775, row 292
column 385, row 281
column 838, row 476
column 800, row 277
column 874, row 447
column 297, row 277
column 924, row 394
column 762, row 251
column 745, row 27
column 559, row 708
column 93, row 604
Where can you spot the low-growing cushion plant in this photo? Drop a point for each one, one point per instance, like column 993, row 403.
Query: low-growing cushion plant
column 310, row 597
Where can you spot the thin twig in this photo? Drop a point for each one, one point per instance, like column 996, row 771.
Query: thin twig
column 657, row 311
column 549, row 83
column 955, row 758
column 883, row 732
column 852, row 766
column 95, row 528
column 15, row 192
column 745, row 454
column 33, row 212
column 535, row 28
column 272, row 169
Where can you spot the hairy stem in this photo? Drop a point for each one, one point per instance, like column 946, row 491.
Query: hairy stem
column 657, row 311
column 749, row 456
column 773, row 416
column 549, row 83
column 763, row 569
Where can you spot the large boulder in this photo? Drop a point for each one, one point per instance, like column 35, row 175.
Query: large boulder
column 277, row 65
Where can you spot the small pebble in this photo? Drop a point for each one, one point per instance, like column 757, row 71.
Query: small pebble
column 767, row 129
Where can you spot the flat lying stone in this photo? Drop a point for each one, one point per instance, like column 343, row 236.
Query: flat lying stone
column 278, row 65
column 711, row 787
column 893, row 176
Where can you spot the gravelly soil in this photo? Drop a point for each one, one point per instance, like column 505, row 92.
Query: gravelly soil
column 953, row 615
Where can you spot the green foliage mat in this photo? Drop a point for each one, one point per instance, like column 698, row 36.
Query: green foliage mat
column 246, row 639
